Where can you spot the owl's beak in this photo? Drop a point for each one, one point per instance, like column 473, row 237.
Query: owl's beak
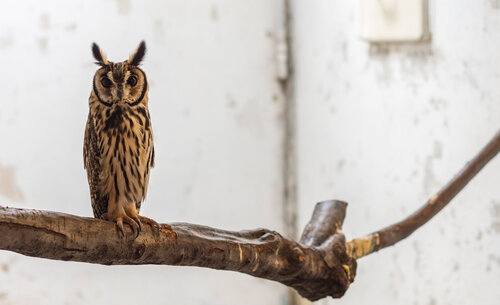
column 120, row 94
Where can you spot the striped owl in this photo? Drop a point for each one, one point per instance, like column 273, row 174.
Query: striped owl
column 118, row 147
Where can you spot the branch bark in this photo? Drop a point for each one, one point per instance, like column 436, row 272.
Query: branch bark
column 322, row 264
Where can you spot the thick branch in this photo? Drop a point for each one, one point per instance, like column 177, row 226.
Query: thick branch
column 311, row 268
column 394, row 233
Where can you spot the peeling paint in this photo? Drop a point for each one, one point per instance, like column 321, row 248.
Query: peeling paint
column 71, row 27
column 231, row 103
column 43, row 43
column 6, row 41
column 214, row 13
column 340, row 165
column 8, row 184
column 44, row 21
column 495, row 215
column 495, row 209
column 344, row 49
column 493, row 257
column 418, row 254
column 470, row 78
column 79, row 294
column 158, row 29
column 407, row 58
column 384, row 71
column 479, row 235
column 430, row 181
column 4, row 268
column 124, row 6
column 275, row 98
column 437, row 103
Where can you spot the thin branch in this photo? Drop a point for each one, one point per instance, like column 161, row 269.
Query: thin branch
column 316, row 269
column 394, row 233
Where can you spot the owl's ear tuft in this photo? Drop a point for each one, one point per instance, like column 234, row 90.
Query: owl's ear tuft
column 136, row 57
column 99, row 55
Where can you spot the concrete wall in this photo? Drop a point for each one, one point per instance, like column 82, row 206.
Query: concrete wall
column 217, row 116
column 382, row 127
column 385, row 127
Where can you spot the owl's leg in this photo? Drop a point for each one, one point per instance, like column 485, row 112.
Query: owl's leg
column 117, row 214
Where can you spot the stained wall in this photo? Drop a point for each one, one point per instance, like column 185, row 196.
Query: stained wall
column 216, row 110
column 384, row 127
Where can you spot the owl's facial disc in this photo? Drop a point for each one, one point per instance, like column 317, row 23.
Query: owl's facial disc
column 120, row 83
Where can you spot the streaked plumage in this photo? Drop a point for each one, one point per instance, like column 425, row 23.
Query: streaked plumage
column 118, row 147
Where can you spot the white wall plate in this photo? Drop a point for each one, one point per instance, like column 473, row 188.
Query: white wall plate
column 394, row 20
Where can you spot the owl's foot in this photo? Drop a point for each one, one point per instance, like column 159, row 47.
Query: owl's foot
column 119, row 220
column 157, row 228
column 154, row 225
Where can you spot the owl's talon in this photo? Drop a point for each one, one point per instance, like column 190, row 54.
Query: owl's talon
column 119, row 225
column 121, row 232
column 138, row 221
column 118, row 222
column 136, row 229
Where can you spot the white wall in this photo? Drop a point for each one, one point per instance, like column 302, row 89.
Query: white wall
column 216, row 111
column 384, row 128
column 380, row 127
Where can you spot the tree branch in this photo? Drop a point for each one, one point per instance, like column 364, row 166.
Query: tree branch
column 394, row 233
column 321, row 264
column 316, row 269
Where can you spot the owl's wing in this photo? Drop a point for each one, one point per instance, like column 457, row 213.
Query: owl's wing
column 151, row 164
column 153, row 156
column 91, row 159
column 86, row 143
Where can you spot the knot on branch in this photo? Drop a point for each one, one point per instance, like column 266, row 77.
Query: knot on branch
column 335, row 268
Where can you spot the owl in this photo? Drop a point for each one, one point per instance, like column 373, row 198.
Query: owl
column 118, row 147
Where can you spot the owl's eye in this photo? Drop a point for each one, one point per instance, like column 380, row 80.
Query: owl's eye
column 106, row 82
column 132, row 80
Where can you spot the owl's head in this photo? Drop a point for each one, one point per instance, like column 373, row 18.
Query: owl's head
column 122, row 82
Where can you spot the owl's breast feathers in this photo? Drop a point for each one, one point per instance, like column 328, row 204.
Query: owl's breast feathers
column 118, row 154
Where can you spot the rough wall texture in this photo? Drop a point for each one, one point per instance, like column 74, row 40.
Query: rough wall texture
column 380, row 127
column 216, row 110
column 383, row 127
